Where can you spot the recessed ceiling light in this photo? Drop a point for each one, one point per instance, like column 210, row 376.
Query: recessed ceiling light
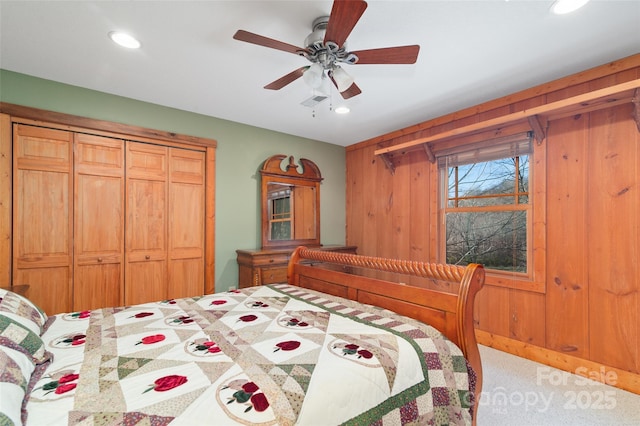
column 124, row 39
column 560, row 7
column 342, row 110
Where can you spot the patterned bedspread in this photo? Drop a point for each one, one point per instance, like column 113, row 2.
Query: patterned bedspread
column 265, row 355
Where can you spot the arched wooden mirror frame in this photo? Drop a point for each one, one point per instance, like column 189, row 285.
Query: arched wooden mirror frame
column 302, row 193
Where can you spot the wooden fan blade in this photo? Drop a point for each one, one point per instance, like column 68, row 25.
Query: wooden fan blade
column 345, row 14
column 389, row 55
column 243, row 35
column 352, row 91
column 289, row 78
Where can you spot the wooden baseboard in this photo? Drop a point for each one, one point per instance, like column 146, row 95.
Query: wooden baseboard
column 616, row 377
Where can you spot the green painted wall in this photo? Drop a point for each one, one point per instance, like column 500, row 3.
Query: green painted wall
column 241, row 151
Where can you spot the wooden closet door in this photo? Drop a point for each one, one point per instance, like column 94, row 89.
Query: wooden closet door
column 98, row 222
column 146, row 223
column 186, row 223
column 42, row 215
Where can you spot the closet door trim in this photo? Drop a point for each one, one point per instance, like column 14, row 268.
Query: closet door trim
column 44, row 118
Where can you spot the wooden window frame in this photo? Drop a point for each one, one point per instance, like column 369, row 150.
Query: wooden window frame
column 534, row 279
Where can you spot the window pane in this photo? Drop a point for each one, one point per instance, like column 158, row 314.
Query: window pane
column 281, row 207
column 280, row 222
column 498, row 240
column 280, row 230
column 523, row 171
column 488, row 183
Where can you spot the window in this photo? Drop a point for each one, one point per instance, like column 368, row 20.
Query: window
column 280, row 214
column 487, row 207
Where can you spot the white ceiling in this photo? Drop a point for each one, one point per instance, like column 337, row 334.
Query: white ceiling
column 471, row 52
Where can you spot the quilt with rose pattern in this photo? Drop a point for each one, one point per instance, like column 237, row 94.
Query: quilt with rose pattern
column 268, row 355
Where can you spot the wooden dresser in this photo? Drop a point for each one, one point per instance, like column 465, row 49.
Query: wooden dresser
column 269, row 266
column 18, row 289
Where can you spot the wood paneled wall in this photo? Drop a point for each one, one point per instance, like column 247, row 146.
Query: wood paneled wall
column 588, row 316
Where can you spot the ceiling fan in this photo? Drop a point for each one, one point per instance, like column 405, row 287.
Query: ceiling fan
column 325, row 48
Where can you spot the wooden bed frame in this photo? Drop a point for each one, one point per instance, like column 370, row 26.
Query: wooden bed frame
column 451, row 314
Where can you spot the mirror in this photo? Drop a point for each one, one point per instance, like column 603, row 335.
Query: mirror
column 290, row 203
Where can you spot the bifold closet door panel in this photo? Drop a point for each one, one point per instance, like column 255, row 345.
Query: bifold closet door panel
column 186, row 223
column 42, row 215
column 146, row 223
column 98, row 222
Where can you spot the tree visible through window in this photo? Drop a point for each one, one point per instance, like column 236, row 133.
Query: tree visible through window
column 487, row 213
column 280, row 215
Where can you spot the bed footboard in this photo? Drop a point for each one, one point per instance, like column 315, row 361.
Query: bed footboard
column 450, row 313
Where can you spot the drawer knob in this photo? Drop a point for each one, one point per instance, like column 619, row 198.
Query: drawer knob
column 270, row 260
column 147, row 257
column 99, row 259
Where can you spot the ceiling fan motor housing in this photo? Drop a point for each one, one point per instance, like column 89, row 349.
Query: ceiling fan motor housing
column 325, row 54
column 315, row 40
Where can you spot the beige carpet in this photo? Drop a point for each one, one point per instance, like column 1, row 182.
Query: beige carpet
column 520, row 392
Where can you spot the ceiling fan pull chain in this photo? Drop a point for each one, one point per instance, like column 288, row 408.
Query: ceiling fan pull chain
column 330, row 99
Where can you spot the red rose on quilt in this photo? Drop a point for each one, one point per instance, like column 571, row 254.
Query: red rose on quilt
column 169, row 302
column 294, row 322
column 142, row 315
column 208, row 346
column 68, row 378
column 289, row 345
column 365, row 354
column 248, row 318
column 154, row 338
column 62, row 385
column 75, row 340
column 259, row 401
column 182, row 319
column 250, row 387
column 81, row 315
column 167, row 383
column 218, row 302
column 246, row 392
column 352, row 349
column 65, row 388
column 259, row 305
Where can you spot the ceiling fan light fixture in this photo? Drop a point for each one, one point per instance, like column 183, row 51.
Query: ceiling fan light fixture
column 124, row 40
column 313, row 76
column 342, row 79
column 342, row 110
column 561, row 7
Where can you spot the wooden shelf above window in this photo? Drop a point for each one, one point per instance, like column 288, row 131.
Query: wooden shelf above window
column 535, row 117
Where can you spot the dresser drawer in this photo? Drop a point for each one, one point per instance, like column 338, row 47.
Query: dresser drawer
column 274, row 275
column 278, row 259
column 257, row 267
